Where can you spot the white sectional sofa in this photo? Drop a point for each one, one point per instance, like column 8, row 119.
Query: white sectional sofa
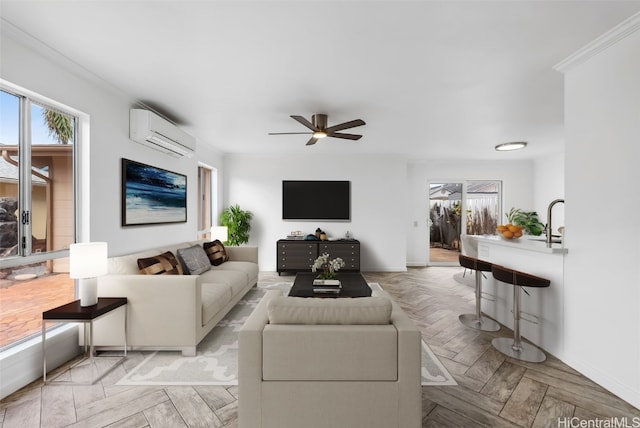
column 325, row 363
column 172, row 312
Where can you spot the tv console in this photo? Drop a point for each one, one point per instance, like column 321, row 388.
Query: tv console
column 294, row 255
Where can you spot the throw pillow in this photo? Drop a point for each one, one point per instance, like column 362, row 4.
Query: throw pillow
column 216, row 252
column 162, row 264
column 194, row 259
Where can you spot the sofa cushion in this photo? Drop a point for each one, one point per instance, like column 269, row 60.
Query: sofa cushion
column 235, row 280
column 194, row 259
column 249, row 268
column 330, row 352
column 162, row 264
column 214, row 298
column 215, row 251
column 300, row 310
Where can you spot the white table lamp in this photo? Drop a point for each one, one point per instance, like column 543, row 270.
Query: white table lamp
column 87, row 261
column 220, row 232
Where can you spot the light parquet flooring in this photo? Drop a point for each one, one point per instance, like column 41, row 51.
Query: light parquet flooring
column 493, row 390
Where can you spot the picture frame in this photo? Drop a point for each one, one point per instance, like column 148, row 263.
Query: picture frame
column 152, row 195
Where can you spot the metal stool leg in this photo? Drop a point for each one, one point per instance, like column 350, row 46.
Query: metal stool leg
column 515, row 348
column 477, row 320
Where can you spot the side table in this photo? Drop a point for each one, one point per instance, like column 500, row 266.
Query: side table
column 73, row 312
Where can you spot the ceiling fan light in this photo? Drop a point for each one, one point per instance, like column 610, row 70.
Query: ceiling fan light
column 319, row 134
column 516, row 145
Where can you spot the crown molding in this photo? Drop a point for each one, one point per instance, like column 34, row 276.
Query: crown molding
column 608, row 39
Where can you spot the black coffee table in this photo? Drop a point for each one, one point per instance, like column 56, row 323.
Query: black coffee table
column 353, row 285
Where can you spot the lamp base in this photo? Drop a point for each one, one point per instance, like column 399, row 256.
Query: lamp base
column 88, row 291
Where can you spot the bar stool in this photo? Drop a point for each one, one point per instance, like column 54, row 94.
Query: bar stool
column 515, row 348
column 476, row 320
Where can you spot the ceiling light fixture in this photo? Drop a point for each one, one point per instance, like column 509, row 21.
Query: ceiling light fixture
column 517, row 145
column 319, row 134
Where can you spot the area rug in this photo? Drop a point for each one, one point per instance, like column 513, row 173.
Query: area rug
column 216, row 360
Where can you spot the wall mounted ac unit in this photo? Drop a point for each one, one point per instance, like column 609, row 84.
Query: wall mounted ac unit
column 146, row 127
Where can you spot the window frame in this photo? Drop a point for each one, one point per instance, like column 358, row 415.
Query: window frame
column 26, row 100
column 207, row 183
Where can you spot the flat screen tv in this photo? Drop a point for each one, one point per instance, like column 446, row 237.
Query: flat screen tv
column 316, row 200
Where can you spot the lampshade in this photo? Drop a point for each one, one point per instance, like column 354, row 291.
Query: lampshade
column 219, row 232
column 87, row 259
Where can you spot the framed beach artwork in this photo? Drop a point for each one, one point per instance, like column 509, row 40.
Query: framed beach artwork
column 152, row 195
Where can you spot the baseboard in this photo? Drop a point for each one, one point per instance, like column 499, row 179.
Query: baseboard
column 416, row 264
column 623, row 391
column 383, row 269
column 22, row 364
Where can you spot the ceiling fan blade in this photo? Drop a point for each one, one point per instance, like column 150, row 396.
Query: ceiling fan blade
column 345, row 136
column 341, row 126
column 312, row 141
column 290, row 133
column 303, row 121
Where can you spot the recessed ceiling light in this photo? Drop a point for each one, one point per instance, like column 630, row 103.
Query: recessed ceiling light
column 517, row 145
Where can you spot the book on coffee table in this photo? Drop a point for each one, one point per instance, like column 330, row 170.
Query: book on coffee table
column 326, row 282
column 319, row 289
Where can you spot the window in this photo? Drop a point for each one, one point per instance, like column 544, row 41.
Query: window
column 37, row 210
column 482, row 207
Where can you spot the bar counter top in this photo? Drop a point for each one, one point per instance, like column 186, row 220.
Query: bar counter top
column 543, row 321
column 528, row 243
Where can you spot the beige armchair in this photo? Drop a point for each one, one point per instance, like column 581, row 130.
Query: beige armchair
column 326, row 363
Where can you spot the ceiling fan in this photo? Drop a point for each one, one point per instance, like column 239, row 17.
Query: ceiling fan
column 318, row 126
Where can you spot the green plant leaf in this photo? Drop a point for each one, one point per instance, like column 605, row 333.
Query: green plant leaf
column 59, row 125
column 238, row 223
column 527, row 219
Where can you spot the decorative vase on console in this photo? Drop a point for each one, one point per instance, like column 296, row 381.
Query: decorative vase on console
column 327, row 267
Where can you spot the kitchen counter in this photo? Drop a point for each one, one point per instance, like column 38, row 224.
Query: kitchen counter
column 528, row 243
column 542, row 309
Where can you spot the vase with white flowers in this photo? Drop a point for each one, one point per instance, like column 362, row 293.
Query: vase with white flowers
column 327, row 267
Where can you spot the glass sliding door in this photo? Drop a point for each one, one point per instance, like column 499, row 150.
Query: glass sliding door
column 468, row 207
column 482, row 207
column 445, row 222
column 37, row 211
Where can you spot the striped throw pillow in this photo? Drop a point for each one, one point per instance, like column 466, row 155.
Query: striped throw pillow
column 162, row 264
column 216, row 252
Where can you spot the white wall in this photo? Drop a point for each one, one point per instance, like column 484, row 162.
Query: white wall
column 602, row 278
column 549, row 186
column 378, row 202
column 28, row 64
column 517, row 191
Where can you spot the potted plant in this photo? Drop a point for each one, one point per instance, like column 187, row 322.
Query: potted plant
column 527, row 219
column 327, row 267
column 238, row 223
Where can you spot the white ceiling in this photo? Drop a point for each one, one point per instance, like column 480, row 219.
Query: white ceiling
column 432, row 79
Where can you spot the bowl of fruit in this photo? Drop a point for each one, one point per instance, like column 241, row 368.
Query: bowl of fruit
column 509, row 231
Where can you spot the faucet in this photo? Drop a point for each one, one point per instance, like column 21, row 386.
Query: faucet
column 548, row 229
